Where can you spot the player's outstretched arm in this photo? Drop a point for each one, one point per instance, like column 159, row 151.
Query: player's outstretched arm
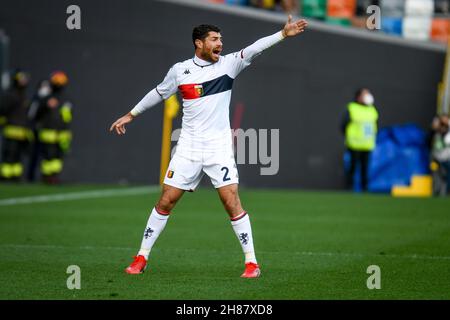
column 119, row 124
column 151, row 99
column 162, row 91
column 292, row 29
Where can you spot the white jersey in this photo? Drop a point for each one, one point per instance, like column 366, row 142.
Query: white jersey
column 206, row 91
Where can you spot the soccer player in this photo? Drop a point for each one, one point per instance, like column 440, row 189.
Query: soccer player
column 205, row 144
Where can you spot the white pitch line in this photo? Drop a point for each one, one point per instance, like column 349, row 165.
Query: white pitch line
column 51, row 246
column 79, row 195
column 387, row 255
column 303, row 253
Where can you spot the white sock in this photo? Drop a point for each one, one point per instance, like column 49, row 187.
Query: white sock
column 155, row 225
column 243, row 229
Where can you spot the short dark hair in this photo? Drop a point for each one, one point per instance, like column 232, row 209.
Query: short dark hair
column 358, row 93
column 201, row 32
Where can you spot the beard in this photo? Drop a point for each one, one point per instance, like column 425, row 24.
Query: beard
column 211, row 55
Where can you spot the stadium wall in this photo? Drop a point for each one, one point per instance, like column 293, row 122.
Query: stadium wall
column 301, row 87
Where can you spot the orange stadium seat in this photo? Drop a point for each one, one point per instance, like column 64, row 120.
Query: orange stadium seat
column 341, row 8
column 440, row 29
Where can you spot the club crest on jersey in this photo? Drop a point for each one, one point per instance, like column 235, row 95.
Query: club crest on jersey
column 170, row 174
column 198, row 89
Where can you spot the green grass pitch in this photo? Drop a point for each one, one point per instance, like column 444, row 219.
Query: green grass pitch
column 310, row 245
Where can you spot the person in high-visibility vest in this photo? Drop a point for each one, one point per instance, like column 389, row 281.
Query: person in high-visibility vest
column 42, row 92
column 53, row 118
column 360, row 126
column 440, row 155
column 16, row 132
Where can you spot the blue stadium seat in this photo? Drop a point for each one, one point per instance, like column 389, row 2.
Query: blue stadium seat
column 392, row 25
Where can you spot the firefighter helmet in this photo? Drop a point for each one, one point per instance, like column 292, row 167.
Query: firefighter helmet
column 59, row 78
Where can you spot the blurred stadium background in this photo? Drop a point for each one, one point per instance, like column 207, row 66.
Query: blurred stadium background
column 118, row 55
column 301, row 87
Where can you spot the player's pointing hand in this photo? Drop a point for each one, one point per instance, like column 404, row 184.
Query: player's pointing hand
column 119, row 124
column 294, row 28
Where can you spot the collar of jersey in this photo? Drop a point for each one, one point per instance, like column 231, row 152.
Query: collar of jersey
column 200, row 62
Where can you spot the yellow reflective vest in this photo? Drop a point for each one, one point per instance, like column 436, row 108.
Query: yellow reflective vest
column 361, row 131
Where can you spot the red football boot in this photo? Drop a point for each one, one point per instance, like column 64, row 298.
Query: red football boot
column 251, row 270
column 137, row 266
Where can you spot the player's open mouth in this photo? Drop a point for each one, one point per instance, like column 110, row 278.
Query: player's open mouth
column 217, row 51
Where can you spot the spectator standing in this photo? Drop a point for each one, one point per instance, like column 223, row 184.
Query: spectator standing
column 53, row 118
column 14, row 107
column 440, row 155
column 360, row 125
column 44, row 89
